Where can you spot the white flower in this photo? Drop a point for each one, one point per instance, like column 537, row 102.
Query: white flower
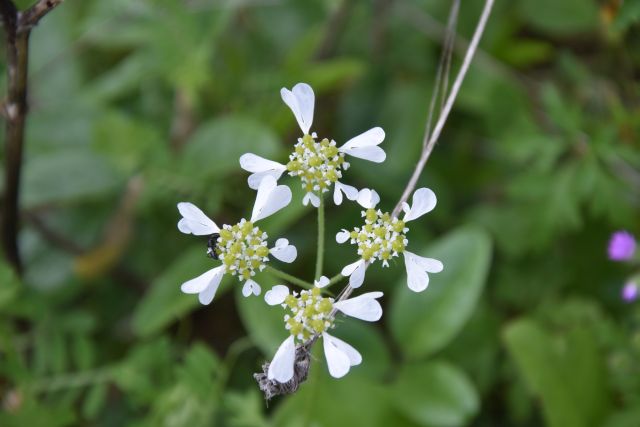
column 310, row 314
column 383, row 237
column 319, row 164
column 242, row 248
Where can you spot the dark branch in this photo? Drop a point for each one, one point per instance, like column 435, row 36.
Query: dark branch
column 30, row 17
column 17, row 26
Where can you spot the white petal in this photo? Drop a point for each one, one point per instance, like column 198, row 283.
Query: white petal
column 201, row 282
column 368, row 198
column 424, row 200
column 250, row 287
column 365, row 146
column 417, row 268
column 301, row 102
column 281, row 367
column 349, row 191
column 276, row 295
column 260, row 167
column 270, row 198
column 310, row 197
column 194, row 221
column 356, row 273
column 321, row 282
column 405, row 207
column 283, row 251
column 343, row 236
column 363, row 307
column 428, row 264
column 340, row 355
column 337, row 194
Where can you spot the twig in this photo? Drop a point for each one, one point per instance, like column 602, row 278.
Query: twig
column 17, row 26
column 30, row 17
column 430, row 140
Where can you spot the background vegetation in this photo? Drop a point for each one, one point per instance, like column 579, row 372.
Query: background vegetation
column 136, row 105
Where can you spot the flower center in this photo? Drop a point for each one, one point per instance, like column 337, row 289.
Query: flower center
column 382, row 237
column 243, row 249
column 318, row 164
column 310, row 314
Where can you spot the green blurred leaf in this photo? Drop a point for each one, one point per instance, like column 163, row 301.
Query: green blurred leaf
column 215, row 148
column 64, row 176
column 164, row 303
column 435, row 394
column 566, row 371
column 264, row 323
column 560, row 18
column 423, row 323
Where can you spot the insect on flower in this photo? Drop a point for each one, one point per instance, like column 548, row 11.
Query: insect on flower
column 318, row 163
column 383, row 237
column 309, row 315
column 242, row 247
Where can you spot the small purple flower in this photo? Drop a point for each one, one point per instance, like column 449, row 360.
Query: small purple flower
column 622, row 246
column 630, row 292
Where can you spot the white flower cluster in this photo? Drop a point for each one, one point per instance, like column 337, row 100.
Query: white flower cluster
column 312, row 317
column 318, row 164
column 243, row 251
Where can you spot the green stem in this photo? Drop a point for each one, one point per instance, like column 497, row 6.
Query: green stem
column 335, row 279
column 288, row 277
column 320, row 250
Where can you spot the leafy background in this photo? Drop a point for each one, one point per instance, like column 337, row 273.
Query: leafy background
column 136, row 105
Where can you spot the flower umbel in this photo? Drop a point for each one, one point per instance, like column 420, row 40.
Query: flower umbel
column 383, row 237
column 318, row 163
column 242, row 247
column 622, row 246
column 309, row 314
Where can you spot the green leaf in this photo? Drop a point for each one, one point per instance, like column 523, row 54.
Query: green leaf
column 435, row 394
column 65, row 175
column 560, row 18
column 264, row 324
column 566, row 371
column 324, row 401
column 423, row 323
column 164, row 303
column 215, row 149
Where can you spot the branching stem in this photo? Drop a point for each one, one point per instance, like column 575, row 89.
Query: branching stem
column 288, row 277
column 320, row 249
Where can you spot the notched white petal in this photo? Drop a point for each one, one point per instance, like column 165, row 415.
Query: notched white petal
column 363, row 307
column 204, row 285
column 311, row 197
column 342, row 236
column 194, row 221
column 250, row 287
column 340, row 355
column 260, row 167
column 417, row 269
column 300, row 100
column 321, row 282
column 365, row 146
column 424, row 200
column 270, row 198
column 283, row 251
column 276, row 295
column 281, row 367
column 368, row 198
column 348, row 190
column 355, row 271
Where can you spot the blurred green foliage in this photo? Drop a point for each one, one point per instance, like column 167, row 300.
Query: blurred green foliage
column 137, row 105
